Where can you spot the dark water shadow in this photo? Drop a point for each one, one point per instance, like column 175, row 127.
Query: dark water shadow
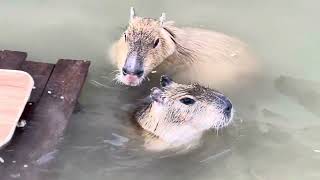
column 304, row 92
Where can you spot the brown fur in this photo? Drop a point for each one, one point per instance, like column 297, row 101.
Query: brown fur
column 197, row 55
column 165, row 116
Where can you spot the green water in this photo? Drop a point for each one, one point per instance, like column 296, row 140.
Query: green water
column 276, row 133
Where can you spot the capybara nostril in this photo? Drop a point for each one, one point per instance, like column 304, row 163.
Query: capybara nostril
column 228, row 107
column 124, row 71
column 138, row 73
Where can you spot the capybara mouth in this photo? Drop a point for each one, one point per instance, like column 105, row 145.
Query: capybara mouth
column 225, row 121
column 131, row 80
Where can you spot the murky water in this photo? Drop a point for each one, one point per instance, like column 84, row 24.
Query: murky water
column 276, row 132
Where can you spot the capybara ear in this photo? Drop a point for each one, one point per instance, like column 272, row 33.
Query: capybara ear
column 165, row 81
column 157, row 95
column 162, row 19
column 132, row 14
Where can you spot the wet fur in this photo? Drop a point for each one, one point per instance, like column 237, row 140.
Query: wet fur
column 173, row 124
column 193, row 55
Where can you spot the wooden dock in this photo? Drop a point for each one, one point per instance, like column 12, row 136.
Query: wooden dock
column 52, row 101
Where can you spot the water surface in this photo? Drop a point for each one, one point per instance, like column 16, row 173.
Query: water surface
column 276, row 131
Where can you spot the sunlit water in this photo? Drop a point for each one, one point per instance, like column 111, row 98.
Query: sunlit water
column 276, row 132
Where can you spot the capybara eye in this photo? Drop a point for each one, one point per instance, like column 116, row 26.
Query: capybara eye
column 125, row 36
column 187, row 101
column 156, row 43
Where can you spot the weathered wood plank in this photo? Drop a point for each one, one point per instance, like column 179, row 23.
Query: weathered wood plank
column 11, row 59
column 40, row 73
column 36, row 144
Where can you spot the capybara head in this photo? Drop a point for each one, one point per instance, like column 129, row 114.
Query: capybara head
column 192, row 103
column 179, row 112
column 144, row 45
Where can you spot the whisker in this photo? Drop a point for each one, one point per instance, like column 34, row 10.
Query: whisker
column 114, row 71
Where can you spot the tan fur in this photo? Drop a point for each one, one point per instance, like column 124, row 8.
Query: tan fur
column 198, row 55
column 219, row 60
column 177, row 124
